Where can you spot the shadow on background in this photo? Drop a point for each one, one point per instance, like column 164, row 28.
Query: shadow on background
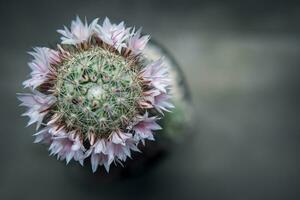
column 241, row 60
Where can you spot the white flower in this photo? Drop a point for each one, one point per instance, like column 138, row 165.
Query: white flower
column 137, row 43
column 42, row 59
column 118, row 148
column 144, row 127
column 79, row 32
column 157, row 75
column 119, row 137
column 98, row 155
column 43, row 136
column 161, row 103
column 113, row 34
column 67, row 146
column 37, row 105
column 157, row 99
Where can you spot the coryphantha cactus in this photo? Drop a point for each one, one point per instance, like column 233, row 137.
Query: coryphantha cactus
column 96, row 95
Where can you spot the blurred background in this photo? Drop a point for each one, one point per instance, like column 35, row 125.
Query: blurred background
column 241, row 61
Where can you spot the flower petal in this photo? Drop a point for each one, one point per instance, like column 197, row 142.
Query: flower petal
column 79, row 32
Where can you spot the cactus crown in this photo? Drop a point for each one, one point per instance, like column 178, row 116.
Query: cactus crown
column 97, row 91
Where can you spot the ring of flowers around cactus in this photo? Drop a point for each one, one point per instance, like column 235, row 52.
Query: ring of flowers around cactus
column 96, row 95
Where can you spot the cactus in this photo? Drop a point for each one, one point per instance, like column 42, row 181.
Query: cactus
column 96, row 95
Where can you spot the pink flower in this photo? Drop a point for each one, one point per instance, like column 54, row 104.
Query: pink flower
column 120, row 145
column 43, row 136
column 161, row 102
column 40, row 66
column 100, row 159
column 117, row 151
column 157, row 99
column 113, row 34
column 144, row 127
column 157, row 75
column 118, row 148
column 79, row 32
column 67, row 146
column 98, row 155
column 137, row 43
column 37, row 105
column 119, row 137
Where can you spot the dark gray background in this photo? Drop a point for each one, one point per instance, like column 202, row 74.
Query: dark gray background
column 241, row 60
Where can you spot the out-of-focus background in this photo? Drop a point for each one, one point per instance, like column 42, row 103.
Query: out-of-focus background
column 241, row 61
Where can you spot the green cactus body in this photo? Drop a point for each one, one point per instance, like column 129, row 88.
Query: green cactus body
column 97, row 91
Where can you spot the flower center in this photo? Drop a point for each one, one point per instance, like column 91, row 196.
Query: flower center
column 97, row 91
